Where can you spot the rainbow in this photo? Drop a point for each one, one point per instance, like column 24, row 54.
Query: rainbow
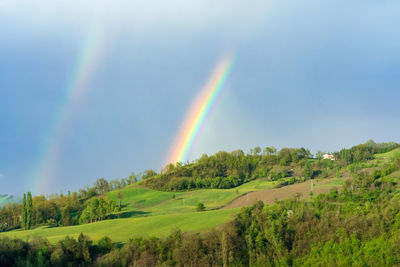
column 199, row 109
column 75, row 92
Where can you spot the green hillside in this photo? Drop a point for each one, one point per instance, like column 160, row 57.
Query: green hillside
column 148, row 212
column 4, row 199
column 139, row 201
column 359, row 204
column 121, row 230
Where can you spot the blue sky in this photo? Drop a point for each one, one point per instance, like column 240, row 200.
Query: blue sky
column 318, row 74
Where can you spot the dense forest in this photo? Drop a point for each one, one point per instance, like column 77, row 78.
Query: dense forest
column 359, row 224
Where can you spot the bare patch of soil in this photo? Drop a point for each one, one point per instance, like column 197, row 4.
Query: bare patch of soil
column 270, row 195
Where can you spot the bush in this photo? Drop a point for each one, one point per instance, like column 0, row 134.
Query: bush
column 200, row 206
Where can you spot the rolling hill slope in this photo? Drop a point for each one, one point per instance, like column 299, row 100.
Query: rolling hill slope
column 146, row 212
column 4, row 199
column 149, row 212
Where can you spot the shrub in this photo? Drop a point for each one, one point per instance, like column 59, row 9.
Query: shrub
column 200, row 206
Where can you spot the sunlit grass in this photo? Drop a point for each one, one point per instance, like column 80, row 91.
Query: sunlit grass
column 121, row 230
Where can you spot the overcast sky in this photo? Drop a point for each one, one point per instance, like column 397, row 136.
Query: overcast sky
column 318, row 74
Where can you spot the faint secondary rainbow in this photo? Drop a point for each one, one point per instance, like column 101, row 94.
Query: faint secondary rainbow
column 75, row 91
column 198, row 111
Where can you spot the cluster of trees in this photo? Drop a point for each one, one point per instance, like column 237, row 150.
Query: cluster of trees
column 61, row 209
column 102, row 186
column 187, row 183
column 97, row 209
column 363, row 152
column 10, row 216
column 26, row 216
column 227, row 170
column 222, row 170
column 358, row 225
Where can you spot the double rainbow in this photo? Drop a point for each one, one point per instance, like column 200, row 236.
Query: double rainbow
column 75, row 92
column 199, row 110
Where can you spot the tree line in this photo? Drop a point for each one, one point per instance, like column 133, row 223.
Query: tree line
column 358, row 225
column 63, row 209
column 228, row 170
column 222, row 170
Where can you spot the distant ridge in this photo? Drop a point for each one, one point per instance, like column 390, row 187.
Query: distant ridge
column 4, row 199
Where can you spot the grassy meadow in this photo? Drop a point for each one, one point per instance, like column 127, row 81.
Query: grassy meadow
column 121, row 230
column 149, row 212
column 146, row 212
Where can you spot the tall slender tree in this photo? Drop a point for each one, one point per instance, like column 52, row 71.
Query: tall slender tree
column 308, row 170
column 23, row 217
column 29, row 211
column 224, row 244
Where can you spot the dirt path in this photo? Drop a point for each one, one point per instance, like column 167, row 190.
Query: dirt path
column 270, row 195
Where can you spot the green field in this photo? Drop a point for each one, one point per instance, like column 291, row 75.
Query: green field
column 149, row 212
column 395, row 153
column 146, row 202
column 120, row 230
column 337, row 182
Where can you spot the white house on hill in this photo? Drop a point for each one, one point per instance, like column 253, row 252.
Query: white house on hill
column 328, row 156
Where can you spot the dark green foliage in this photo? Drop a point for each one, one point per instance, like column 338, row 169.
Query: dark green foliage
column 357, row 225
column 363, row 152
column 200, row 206
column 69, row 252
column 97, row 209
column 24, row 216
column 222, row 170
column 53, row 210
column 226, row 170
column 308, row 170
column 66, row 218
column 104, row 245
column 352, row 227
column 29, row 211
column 10, row 217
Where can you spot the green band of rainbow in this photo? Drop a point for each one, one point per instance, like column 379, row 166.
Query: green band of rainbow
column 75, row 92
column 199, row 110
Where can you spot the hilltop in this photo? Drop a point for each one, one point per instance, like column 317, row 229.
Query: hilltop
column 297, row 190
column 222, row 183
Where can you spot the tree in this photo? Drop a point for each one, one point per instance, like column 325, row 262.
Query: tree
column 97, row 209
column 120, row 196
column 29, row 212
column 133, row 178
column 148, row 174
column 24, row 215
column 237, row 153
column 115, row 184
column 101, row 186
column 285, row 156
column 200, row 206
column 66, row 218
column 308, row 170
column 270, row 150
column 225, row 252
column 83, row 248
column 255, row 151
